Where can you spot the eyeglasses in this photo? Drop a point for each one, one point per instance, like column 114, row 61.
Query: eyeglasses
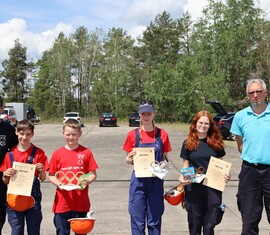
column 204, row 123
column 257, row 92
column 144, row 102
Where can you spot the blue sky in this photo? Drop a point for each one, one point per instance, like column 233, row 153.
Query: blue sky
column 38, row 22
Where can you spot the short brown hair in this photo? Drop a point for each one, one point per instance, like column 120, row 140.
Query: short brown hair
column 25, row 125
column 72, row 123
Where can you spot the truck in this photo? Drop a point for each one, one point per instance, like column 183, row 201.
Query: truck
column 24, row 111
column 9, row 115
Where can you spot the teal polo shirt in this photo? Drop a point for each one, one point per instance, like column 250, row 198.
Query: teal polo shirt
column 255, row 131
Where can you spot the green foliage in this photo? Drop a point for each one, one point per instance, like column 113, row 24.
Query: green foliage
column 14, row 73
column 177, row 63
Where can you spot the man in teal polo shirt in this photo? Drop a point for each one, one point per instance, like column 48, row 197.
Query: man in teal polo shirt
column 252, row 129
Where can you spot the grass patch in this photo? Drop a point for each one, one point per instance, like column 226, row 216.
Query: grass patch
column 183, row 127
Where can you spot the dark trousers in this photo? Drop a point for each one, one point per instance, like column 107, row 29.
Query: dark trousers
column 61, row 221
column 203, row 207
column 253, row 192
column 3, row 197
column 33, row 218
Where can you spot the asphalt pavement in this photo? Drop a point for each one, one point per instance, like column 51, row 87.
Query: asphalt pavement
column 109, row 193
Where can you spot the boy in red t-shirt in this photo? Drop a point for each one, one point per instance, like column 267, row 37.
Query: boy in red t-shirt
column 67, row 164
column 26, row 152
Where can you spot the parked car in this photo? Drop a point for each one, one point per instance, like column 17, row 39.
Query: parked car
column 74, row 115
column 107, row 119
column 223, row 119
column 9, row 115
column 134, row 119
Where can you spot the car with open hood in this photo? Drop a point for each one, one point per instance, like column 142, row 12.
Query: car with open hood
column 223, row 119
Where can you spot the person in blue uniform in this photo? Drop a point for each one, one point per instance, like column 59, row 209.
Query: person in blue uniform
column 8, row 139
column 251, row 126
column 146, row 204
column 201, row 202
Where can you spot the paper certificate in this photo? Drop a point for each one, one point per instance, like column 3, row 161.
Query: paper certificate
column 142, row 161
column 21, row 183
column 216, row 170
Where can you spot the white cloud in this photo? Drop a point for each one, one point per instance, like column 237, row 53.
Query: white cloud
column 142, row 12
column 136, row 31
column 194, row 7
column 36, row 43
column 265, row 5
column 131, row 15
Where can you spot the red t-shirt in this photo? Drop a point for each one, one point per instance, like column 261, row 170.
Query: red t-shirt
column 146, row 137
column 72, row 162
column 20, row 156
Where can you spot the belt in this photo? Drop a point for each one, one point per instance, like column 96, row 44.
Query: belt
column 256, row 165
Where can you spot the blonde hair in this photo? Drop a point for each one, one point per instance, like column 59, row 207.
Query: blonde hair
column 72, row 123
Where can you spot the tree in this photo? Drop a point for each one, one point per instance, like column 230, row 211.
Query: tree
column 61, row 72
column 225, row 44
column 53, row 88
column 160, row 41
column 92, row 70
column 112, row 86
column 15, row 73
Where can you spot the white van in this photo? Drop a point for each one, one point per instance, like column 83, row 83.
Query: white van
column 9, row 115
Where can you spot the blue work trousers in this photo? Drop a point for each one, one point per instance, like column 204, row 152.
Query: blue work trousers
column 33, row 218
column 146, row 204
column 253, row 193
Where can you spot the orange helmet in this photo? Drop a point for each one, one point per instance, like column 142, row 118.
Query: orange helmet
column 19, row 202
column 82, row 225
column 175, row 195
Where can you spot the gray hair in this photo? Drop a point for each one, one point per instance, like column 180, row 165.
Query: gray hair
column 257, row 80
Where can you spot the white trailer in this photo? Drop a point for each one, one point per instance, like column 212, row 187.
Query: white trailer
column 23, row 111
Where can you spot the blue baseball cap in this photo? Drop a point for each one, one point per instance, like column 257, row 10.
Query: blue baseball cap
column 146, row 107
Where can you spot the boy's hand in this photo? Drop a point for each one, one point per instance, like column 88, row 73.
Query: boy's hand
column 40, row 167
column 9, row 172
column 41, row 171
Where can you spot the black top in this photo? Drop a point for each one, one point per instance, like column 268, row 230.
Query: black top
column 8, row 138
column 201, row 156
